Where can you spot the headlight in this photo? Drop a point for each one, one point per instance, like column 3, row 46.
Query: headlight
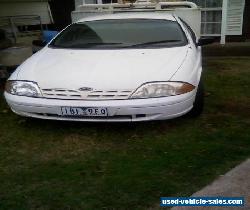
column 22, row 88
column 162, row 89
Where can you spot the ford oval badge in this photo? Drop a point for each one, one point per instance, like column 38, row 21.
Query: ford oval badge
column 85, row 89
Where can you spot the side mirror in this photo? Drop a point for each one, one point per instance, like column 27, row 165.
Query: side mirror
column 205, row 41
column 39, row 43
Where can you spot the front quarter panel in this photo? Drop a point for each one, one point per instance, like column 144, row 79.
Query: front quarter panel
column 27, row 66
column 191, row 69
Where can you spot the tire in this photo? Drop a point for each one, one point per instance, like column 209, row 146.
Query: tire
column 199, row 101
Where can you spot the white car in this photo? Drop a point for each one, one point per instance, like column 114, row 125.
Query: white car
column 117, row 67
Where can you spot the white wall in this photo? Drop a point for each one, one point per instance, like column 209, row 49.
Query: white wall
column 40, row 8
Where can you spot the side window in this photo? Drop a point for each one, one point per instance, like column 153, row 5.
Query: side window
column 189, row 30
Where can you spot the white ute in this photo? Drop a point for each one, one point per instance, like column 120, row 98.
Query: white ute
column 124, row 66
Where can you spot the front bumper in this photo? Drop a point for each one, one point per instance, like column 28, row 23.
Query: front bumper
column 118, row 110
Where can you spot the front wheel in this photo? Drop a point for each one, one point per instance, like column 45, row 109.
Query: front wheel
column 199, row 101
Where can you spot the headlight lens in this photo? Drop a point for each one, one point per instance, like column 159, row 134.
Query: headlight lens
column 23, row 88
column 162, row 89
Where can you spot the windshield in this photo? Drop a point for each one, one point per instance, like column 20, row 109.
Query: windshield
column 121, row 33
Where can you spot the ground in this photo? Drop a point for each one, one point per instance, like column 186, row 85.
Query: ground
column 65, row 165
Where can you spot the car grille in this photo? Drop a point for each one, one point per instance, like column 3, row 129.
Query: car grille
column 58, row 93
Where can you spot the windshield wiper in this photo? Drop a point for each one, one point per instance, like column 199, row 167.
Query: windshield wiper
column 91, row 44
column 102, row 43
column 155, row 42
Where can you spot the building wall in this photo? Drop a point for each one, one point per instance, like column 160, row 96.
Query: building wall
column 212, row 19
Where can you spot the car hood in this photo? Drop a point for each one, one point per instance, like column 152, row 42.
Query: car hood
column 101, row 69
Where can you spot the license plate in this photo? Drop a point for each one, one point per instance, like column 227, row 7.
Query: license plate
column 84, row 111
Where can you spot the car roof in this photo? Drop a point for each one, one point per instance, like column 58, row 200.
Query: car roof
column 130, row 15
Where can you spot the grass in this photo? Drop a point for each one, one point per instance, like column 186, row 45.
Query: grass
column 65, row 165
